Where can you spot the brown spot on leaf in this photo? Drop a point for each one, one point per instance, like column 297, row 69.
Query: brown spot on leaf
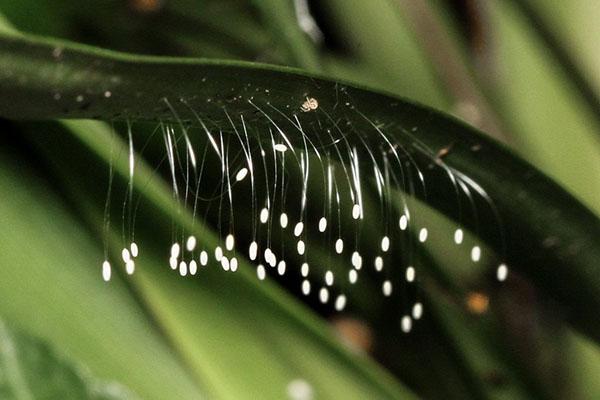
column 477, row 302
column 146, row 6
column 355, row 333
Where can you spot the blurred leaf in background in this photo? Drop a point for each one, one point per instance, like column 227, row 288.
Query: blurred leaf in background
column 31, row 370
column 524, row 72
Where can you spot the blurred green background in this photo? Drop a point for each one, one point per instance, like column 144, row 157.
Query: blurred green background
column 526, row 72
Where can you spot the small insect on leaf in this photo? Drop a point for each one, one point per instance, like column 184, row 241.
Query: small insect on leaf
column 310, row 104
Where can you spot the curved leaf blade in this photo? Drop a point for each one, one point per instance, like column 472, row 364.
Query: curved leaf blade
column 550, row 236
column 30, row 369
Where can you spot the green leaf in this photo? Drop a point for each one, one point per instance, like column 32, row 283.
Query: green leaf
column 552, row 124
column 382, row 51
column 185, row 26
column 282, row 18
column 231, row 336
column 51, row 288
column 31, row 370
column 549, row 236
column 565, row 31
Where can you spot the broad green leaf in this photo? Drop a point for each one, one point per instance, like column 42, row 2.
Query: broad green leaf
column 51, row 288
column 374, row 311
column 550, row 237
column 32, row 370
column 233, row 336
column 569, row 30
column 236, row 336
column 468, row 367
column 186, row 27
column 552, row 125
